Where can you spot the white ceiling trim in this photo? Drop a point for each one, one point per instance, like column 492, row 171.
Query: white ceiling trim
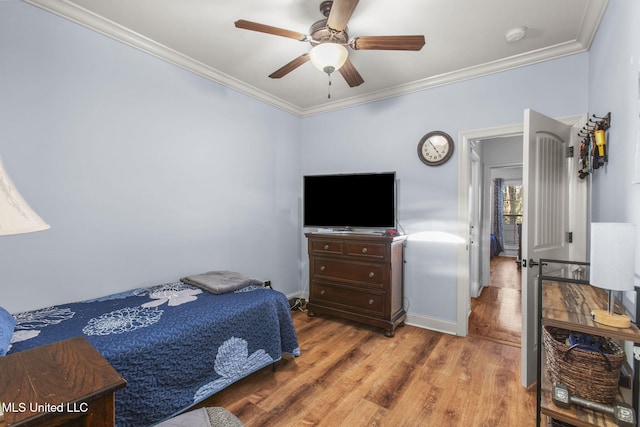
column 111, row 29
column 591, row 20
column 84, row 17
column 517, row 61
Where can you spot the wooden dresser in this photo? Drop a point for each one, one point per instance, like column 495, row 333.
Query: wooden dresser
column 357, row 277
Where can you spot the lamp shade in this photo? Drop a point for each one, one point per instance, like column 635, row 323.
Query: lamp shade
column 16, row 216
column 612, row 256
column 328, row 57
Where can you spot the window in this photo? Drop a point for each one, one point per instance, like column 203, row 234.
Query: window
column 512, row 212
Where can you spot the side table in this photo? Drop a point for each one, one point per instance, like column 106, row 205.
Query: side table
column 67, row 383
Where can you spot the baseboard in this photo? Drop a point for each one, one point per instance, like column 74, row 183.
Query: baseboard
column 438, row 325
column 299, row 294
column 420, row 321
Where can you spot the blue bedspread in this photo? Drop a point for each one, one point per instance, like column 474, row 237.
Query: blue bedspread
column 175, row 344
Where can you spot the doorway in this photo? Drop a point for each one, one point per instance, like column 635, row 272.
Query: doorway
column 496, row 210
column 466, row 139
column 576, row 201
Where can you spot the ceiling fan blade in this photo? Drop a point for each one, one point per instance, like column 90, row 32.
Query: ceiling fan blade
column 341, row 11
column 254, row 26
column 388, row 42
column 286, row 69
column 350, row 74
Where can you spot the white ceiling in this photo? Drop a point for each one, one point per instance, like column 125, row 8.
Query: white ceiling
column 464, row 39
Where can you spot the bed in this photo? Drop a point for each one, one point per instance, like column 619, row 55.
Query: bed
column 176, row 344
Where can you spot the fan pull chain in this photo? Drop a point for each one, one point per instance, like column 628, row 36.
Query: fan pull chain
column 329, row 88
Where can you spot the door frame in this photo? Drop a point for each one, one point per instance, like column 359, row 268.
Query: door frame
column 476, row 269
column 465, row 139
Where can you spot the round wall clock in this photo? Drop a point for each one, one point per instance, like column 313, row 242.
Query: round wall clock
column 435, row 148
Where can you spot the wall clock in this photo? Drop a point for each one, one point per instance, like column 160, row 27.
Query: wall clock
column 435, row 148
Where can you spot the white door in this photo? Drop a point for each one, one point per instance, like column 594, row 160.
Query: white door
column 546, row 217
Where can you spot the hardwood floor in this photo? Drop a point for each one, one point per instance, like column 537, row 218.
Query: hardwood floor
column 496, row 314
column 352, row 375
column 504, row 273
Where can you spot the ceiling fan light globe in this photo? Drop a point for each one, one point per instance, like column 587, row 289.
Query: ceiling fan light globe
column 328, row 57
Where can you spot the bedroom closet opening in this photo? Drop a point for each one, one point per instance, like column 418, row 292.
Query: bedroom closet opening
column 496, row 305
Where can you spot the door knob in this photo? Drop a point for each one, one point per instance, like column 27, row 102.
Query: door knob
column 532, row 263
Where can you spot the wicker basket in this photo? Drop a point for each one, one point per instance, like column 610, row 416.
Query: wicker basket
column 589, row 374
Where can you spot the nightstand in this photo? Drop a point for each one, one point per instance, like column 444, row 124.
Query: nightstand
column 67, row 383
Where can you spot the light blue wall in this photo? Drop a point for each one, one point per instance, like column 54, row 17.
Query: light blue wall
column 614, row 65
column 383, row 136
column 145, row 172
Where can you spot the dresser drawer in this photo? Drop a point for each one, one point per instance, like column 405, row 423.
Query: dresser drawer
column 353, row 299
column 366, row 250
column 326, row 247
column 355, row 272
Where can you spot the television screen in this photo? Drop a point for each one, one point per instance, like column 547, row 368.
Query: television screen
column 366, row 200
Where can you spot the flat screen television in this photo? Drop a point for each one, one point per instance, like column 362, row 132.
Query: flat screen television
column 350, row 201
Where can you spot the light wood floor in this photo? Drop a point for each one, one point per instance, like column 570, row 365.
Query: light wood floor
column 496, row 314
column 351, row 375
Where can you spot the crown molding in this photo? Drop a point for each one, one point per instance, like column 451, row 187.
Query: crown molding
column 95, row 22
column 529, row 58
column 591, row 21
column 86, row 18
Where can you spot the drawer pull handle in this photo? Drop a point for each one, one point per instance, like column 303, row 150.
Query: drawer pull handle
column 371, row 274
column 323, row 268
column 326, row 247
column 370, row 301
column 321, row 292
column 364, row 250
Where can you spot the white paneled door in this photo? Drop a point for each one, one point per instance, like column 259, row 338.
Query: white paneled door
column 546, row 217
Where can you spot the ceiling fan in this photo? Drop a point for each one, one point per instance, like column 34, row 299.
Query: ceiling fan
column 329, row 39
